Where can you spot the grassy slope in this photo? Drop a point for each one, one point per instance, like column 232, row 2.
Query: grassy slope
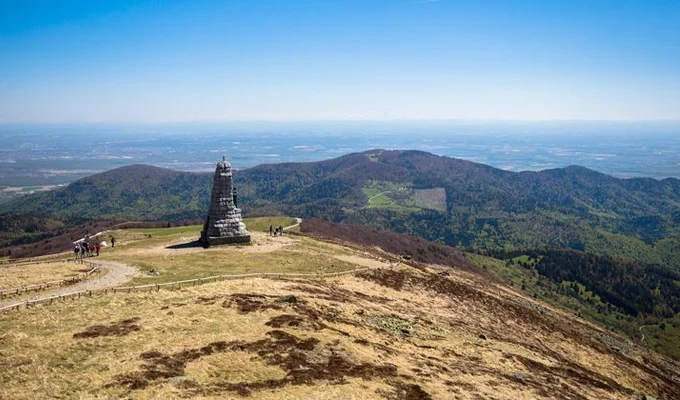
column 582, row 303
column 149, row 249
column 18, row 275
column 402, row 333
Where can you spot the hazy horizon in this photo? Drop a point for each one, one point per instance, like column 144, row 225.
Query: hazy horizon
column 675, row 122
column 51, row 154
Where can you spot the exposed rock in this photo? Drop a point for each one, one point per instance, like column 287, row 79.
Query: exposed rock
column 224, row 223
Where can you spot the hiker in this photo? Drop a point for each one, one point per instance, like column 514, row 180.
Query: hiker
column 98, row 246
column 113, row 241
column 77, row 250
column 83, row 250
column 271, row 230
column 281, row 230
column 90, row 247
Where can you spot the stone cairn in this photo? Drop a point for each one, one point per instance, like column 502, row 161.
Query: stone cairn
column 224, row 224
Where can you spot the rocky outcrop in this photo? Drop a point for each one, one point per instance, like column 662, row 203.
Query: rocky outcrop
column 224, row 224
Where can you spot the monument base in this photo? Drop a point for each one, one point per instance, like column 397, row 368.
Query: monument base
column 216, row 241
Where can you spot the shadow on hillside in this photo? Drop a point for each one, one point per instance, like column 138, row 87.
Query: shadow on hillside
column 188, row 245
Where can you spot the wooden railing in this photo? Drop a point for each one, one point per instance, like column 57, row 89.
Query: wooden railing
column 40, row 259
column 177, row 285
column 46, row 285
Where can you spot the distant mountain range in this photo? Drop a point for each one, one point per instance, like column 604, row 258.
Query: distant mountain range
column 456, row 202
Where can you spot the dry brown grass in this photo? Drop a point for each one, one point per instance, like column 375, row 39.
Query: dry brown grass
column 391, row 332
column 19, row 275
column 387, row 333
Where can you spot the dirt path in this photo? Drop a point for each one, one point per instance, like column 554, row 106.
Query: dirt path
column 112, row 274
column 379, row 194
column 116, row 274
column 298, row 221
column 642, row 339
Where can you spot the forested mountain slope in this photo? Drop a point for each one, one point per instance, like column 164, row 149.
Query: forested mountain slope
column 138, row 192
column 439, row 198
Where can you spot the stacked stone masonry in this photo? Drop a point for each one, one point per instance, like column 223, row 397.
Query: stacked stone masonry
column 224, row 223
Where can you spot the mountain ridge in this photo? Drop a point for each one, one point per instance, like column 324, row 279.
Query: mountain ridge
column 479, row 206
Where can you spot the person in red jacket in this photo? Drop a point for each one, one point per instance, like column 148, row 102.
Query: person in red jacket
column 98, row 246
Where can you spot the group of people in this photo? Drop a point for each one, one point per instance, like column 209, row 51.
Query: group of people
column 86, row 248
column 278, row 231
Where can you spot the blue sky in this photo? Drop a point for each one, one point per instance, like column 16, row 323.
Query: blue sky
column 166, row 61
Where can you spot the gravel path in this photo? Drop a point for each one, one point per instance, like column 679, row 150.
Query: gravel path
column 113, row 274
column 298, row 221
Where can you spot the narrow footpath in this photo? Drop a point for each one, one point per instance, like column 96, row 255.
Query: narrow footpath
column 298, row 221
column 112, row 274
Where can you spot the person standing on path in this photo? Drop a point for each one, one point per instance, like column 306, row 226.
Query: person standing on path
column 77, row 250
column 113, row 241
column 271, row 230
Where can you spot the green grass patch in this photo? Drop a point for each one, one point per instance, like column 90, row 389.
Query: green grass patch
column 380, row 200
column 390, row 195
column 664, row 337
column 167, row 255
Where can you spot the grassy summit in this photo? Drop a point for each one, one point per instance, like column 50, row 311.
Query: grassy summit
column 166, row 255
column 396, row 330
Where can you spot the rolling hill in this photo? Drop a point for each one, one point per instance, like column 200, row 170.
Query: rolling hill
column 453, row 201
column 134, row 192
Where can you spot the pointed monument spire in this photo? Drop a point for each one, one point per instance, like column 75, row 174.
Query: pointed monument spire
column 224, row 223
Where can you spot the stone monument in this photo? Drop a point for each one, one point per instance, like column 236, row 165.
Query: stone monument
column 224, row 224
